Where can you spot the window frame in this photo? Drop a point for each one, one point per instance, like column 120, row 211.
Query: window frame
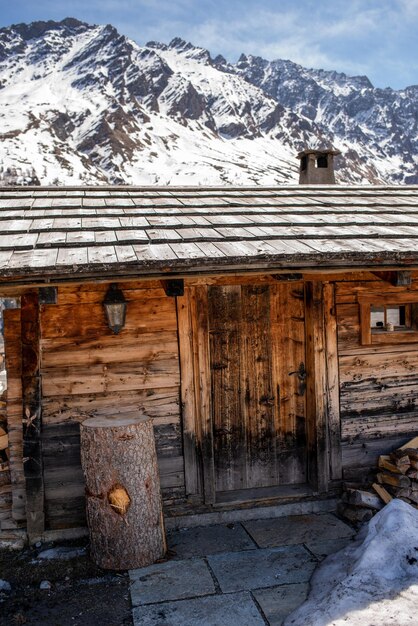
column 366, row 301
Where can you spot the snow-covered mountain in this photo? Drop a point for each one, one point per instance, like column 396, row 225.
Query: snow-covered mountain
column 83, row 104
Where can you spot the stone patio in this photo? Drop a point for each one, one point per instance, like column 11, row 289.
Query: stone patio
column 238, row 574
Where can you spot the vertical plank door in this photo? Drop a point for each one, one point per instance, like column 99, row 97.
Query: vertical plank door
column 257, row 353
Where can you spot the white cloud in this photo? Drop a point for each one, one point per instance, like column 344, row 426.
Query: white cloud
column 409, row 6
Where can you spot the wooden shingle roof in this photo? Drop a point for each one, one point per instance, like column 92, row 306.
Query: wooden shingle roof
column 61, row 232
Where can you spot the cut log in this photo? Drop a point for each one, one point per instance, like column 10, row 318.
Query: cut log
column 401, row 460
column 358, row 497
column 381, row 491
column 412, row 453
column 395, row 480
column 386, row 463
column 4, row 442
column 412, row 473
column 414, row 463
column 408, row 494
column 413, row 443
column 124, row 511
column 356, row 514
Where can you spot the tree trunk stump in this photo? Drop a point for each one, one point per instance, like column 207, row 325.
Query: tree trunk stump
column 124, row 510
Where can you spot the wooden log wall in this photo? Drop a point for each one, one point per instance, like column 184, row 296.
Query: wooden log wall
column 14, row 401
column 87, row 370
column 378, row 383
column 31, row 401
column 5, row 479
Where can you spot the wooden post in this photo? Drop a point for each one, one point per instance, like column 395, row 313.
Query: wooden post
column 124, row 510
column 316, row 401
column 188, row 395
column 202, row 384
column 31, row 397
column 333, row 383
column 13, row 358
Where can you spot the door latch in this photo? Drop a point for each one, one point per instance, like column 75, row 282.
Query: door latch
column 301, row 374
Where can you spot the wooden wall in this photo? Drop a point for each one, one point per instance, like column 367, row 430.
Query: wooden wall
column 378, row 383
column 86, row 370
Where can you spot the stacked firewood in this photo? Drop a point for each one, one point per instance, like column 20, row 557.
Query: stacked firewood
column 397, row 477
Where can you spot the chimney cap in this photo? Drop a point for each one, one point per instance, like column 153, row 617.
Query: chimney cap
column 318, row 152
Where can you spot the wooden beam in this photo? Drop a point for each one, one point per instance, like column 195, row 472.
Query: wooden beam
column 15, row 286
column 291, row 276
column 188, row 396
column 31, row 397
column 202, row 385
column 173, row 288
column 390, row 297
column 332, row 382
column 13, row 360
column 365, row 327
column 396, row 278
column 316, row 400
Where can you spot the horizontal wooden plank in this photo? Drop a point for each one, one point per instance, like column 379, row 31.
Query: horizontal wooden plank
column 388, row 297
column 366, row 453
column 168, row 441
column 368, row 283
column 161, row 404
column 379, row 426
column 379, row 396
column 60, row 432
column 171, row 471
column 87, row 350
column 80, row 294
column 65, row 512
column 369, row 366
column 384, row 348
column 108, row 378
column 143, row 316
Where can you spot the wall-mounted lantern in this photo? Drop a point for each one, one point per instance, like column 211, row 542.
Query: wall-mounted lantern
column 115, row 308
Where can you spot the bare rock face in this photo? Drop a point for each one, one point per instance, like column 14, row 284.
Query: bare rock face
column 91, row 106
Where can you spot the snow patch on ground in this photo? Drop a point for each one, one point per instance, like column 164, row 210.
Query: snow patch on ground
column 62, row 553
column 372, row 581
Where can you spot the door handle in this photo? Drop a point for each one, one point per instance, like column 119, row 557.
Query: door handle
column 301, row 374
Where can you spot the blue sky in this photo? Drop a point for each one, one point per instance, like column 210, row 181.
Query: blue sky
column 376, row 38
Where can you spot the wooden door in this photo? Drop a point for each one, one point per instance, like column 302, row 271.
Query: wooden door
column 257, row 357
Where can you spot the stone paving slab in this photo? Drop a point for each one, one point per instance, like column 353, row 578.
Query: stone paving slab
column 173, row 580
column 321, row 549
column 278, row 602
column 254, row 569
column 192, row 542
column 236, row 609
column 297, row 529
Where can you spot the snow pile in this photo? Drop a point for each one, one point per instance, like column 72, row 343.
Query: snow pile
column 372, row 581
column 63, row 553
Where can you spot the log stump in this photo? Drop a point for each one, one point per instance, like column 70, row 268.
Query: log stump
column 123, row 500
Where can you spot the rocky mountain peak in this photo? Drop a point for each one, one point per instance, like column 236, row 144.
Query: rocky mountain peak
column 82, row 103
column 35, row 30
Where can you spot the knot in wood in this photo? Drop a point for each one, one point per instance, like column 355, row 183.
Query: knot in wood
column 126, row 437
column 119, row 499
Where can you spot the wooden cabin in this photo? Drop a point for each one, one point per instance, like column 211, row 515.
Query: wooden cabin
column 271, row 334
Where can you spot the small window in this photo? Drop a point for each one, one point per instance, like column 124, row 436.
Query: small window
column 388, row 318
column 322, row 161
column 303, row 163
